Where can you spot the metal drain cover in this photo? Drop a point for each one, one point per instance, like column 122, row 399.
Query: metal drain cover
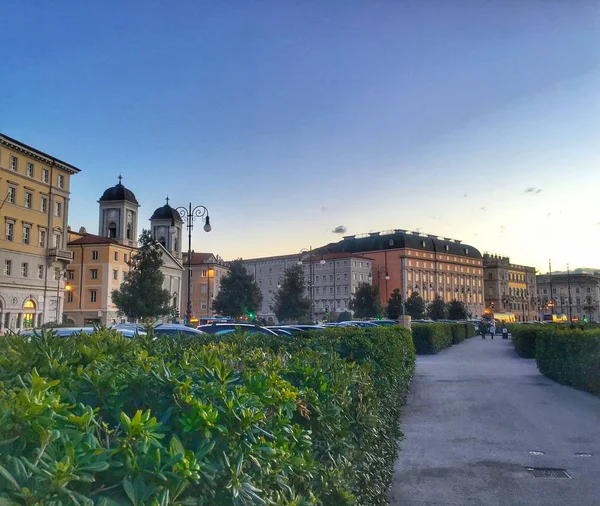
column 548, row 472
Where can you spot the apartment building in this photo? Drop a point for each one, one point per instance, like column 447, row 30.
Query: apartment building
column 510, row 287
column 330, row 280
column 577, row 295
column 34, row 209
column 207, row 271
column 422, row 263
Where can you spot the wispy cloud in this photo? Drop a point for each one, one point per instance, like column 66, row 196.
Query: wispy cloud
column 482, row 208
column 341, row 229
column 323, row 209
column 533, row 190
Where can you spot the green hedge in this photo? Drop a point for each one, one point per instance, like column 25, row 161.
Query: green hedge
column 103, row 419
column 429, row 338
column 571, row 357
column 459, row 332
column 524, row 338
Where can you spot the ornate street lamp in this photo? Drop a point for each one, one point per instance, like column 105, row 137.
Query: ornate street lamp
column 189, row 215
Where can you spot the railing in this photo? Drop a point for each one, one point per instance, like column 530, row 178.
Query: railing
column 60, row 254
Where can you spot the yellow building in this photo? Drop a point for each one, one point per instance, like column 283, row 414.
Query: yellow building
column 34, row 209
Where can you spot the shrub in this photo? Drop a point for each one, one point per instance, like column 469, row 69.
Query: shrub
column 102, row 419
column 470, row 330
column 524, row 338
column 571, row 357
column 459, row 332
column 429, row 338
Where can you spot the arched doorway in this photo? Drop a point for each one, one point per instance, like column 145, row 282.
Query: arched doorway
column 28, row 316
column 112, row 230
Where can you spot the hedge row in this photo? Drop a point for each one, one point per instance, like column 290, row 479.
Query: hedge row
column 430, row 338
column 524, row 337
column 106, row 420
column 571, row 358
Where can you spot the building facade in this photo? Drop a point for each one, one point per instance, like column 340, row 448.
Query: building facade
column 101, row 261
column 577, row 295
column 34, row 210
column 426, row 264
column 330, row 280
column 510, row 288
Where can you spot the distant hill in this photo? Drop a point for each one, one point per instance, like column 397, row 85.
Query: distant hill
column 580, row 270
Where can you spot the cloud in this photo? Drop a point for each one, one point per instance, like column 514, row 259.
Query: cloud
column 482, row 208
column 464, row 195
column 323, row 209
column 341, row 229
column 533, row 190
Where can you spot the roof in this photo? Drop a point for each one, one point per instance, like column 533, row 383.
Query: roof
column 400, row 239
column 64, row 165
column 199, row 258
column 166, row 212
column 118, row 193
column 92, row 239
column 333, row 256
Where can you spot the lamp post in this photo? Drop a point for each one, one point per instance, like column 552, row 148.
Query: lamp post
column 60, row 274
column 189, row 215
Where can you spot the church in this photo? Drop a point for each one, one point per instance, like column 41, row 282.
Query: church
column 101, row 261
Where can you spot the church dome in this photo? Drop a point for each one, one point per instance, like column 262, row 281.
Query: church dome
column 166, row 212
column 118, row 193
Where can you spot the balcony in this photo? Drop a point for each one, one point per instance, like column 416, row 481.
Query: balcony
column 60, row 255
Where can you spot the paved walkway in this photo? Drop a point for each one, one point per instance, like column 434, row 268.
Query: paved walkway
column 475, row 413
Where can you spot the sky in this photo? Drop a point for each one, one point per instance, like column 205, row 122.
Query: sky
column 290, row 120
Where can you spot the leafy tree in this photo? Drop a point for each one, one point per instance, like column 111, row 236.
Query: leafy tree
column 141, row 294
column 415, row 306
column 394, row 305
column 290, row 301
column 239, row 294
column 457, row 310
column 365, row 302
column 437, row 309
column 344, row 316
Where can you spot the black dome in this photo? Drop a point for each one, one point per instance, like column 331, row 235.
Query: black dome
column 117, row 193
column 166, row 212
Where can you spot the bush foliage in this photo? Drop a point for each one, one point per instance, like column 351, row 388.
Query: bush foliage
column 524, row 337
column 236, row 420
column 429, row 338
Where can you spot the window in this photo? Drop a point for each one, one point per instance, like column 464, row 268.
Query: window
column 129, row 234
column 12, row 194
column 203, row 305
column 115, row 274
column 331, row 277
column 94, row 273
column 44, row 205
column 589, row 290
column 40, row 271
column 70, row 274
column 7, row 267
column 116, row 256
column 26, row 234
column 14, row 163
column 10, row 230
column 337, row 289
column 69, row 296
column 345, row 289
column 30, row 169
column 125, row 257
column 554, row 291
column 24, row 269
column 330, row 290
column 56, row 273
column 93, row 295
column 317, row 278
column 112, row 230
column 94, row 254
column 28, row 199
column 42, row 238
column 58, row 210
column 577, row 290
column 61, row 181
column 45, row 178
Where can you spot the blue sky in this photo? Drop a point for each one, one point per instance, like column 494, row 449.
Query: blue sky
column 290, row 118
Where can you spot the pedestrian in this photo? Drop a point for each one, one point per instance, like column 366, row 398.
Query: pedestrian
column 482, row 329
column 504, row 331
column 492, row 328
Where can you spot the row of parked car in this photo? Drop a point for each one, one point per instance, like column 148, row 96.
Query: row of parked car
column 172, row 329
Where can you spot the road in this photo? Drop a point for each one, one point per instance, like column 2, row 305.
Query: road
column 475, row 414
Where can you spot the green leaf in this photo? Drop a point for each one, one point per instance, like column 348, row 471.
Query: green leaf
column 8, row 477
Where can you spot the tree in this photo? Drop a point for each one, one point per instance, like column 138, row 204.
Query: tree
column 457, row 310
column 290, row 301
column 365, row 302
column 239, row 294
column 394, row 305
column 415, row 306
column 437, row 309
column 141, row 294
column 344, row 316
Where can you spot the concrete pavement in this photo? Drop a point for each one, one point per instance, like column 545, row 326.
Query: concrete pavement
column 475, row 414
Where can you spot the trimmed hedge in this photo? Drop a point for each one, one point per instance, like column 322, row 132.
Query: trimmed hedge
column 459, row 332
column 570, row 357
column 429, row 338
column 524, row 338
column 102, row 419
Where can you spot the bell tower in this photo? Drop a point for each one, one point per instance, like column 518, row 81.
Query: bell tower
column 166, row 225
column 118, row 215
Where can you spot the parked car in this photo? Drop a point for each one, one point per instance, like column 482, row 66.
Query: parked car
column 305, row 328
column 72, row 331
column 357, row 323
column 292, row 330
column 281, row 332
column 384, row 323
column 228, row 328
column 173, row 329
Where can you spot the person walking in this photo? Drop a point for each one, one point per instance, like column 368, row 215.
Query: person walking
column 482, row 329
column 504, row 331
column 492, row 328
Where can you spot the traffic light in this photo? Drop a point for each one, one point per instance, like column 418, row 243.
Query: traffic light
column 177, row 313
column 326, row 309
